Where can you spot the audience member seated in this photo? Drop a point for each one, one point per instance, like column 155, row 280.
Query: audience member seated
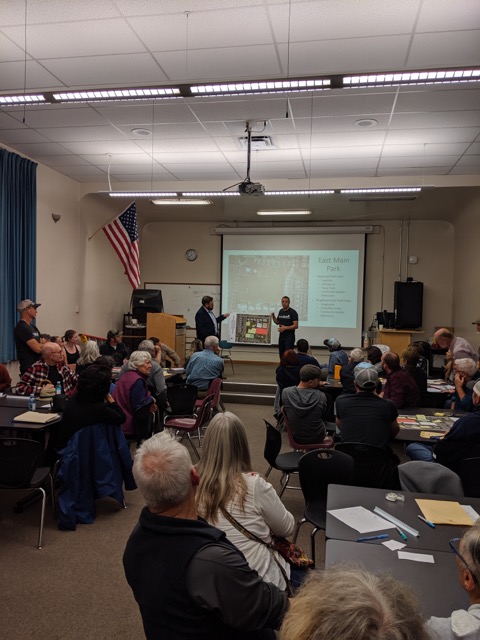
column 400, row 387
column 114, row 347
column 287, row 374
column 304, row 355
column 156, row 380
column 162, row 352
column 462, row 441
column 44, row 374
column 345, row 603
column 5, row 379
column 306, row 406
column 45, row 337
column 463, row 624
column 365, row 417
column 374, row 356
column 457, row 348
column 337, row 356
column 346, row 372
column 465, row 369
column 204, row 366
column 411, row 361
column 59, row 340
column 90, row 404
column 190, row 582
column 89, row 352
column 231, row 496
column 72, row 350
column 196, row 345
column 132, row 394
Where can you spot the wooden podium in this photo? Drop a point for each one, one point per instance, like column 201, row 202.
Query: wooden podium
column 170, row 329
column 396, row 339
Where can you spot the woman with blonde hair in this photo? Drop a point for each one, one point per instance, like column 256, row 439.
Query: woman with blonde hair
column 231, row 496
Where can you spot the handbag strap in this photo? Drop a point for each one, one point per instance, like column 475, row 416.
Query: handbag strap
column 248, row 534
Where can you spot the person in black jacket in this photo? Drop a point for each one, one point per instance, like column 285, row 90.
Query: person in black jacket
column 189, row 581
column 206, row 323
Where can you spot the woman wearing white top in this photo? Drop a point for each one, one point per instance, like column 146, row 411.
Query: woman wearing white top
column 227, row 482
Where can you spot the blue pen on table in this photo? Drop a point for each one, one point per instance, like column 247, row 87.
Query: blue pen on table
column 402, row 534
column 430, row 524
column 381, row 536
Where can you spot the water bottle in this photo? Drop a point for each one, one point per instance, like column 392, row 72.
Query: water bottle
column 58, row 388
column 32, row 402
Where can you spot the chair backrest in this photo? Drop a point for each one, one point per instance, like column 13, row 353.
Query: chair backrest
column 327, row 442
column 224, row 344
column 469, row 472
column 19, row 459
column 429, row 477
column 213, row 391
column 203, row 412
column 374, row 466
column 320, row 468
column 273, row 444
column 181, row 398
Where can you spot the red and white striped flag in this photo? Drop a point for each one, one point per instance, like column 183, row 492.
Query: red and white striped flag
column 122, row 234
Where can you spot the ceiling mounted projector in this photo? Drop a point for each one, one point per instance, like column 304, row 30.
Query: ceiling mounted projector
column 251, row 189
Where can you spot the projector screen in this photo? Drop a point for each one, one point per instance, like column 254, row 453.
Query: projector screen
column 321, row 274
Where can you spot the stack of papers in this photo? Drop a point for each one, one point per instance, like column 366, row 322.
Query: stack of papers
column 37, row 418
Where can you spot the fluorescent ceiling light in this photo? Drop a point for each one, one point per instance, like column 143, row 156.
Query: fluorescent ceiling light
column 284, row 212
column 262, row 86
column 205, row 194
column 117, row 94
column 384, row 190
column 30, row 99
column 140, row 194
column 416, row 77
column 305, row 192
column 188, row 201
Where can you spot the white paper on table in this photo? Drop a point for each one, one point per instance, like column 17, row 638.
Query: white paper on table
column 416, row 557
column 393, row 545
column 361, row 519
column 470, row 511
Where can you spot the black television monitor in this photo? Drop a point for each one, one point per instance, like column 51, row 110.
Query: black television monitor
column 146, row 301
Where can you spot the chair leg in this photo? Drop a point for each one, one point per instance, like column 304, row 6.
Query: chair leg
column 42, row 517
column 297, row 529
column 53, row 497
column 284, row 482
column 312, row 538
column 193, row 446
column 268, row 471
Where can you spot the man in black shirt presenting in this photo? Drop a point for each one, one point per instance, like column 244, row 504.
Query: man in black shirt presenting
column 287, row 321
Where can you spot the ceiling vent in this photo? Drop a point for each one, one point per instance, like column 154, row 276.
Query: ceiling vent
column 258, row 143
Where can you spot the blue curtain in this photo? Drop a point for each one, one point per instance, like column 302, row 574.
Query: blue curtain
column 18, row 231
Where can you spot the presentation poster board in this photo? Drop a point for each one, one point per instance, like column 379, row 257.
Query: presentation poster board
column 186, row 299
column 250, row 328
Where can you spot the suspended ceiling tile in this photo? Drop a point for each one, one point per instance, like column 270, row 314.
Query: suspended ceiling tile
column 450, row 49
column 79, row 134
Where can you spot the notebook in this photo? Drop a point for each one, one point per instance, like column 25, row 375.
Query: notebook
column 37, row 418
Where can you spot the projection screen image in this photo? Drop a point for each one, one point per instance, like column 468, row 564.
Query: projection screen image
column 322, row 275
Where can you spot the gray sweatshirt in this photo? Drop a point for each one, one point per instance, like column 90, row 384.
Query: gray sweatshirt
column 461, row 624
column 305, row 409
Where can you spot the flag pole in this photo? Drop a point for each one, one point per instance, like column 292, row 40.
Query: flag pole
column 108, row 222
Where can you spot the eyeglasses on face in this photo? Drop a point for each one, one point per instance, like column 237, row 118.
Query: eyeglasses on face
column 453, row 543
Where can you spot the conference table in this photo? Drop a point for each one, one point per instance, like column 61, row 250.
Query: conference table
column 435, row 583
column 425, row 424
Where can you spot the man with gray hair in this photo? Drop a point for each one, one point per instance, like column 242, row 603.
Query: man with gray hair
column 461, row 442
column 189, row 581
column 463, row 624
column 44, row 374
column 204, row 366
column 346, row 372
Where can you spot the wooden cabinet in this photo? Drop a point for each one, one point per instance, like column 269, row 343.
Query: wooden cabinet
column 397, row 339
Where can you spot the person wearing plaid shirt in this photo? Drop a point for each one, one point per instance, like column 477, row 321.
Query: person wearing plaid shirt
column 44, row 374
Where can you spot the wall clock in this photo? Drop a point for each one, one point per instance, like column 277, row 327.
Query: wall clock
column 191, row 255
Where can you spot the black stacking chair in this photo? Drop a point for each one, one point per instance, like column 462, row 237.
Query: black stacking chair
column 287, row 463
column 374, row 466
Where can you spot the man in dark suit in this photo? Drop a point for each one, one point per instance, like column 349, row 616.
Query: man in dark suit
column 206, row 323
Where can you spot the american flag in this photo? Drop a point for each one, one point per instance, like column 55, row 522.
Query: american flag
column 122, row 234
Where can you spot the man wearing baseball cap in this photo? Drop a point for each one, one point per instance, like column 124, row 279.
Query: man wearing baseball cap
column 27, row 335
column 364, row 416
column 114, row 347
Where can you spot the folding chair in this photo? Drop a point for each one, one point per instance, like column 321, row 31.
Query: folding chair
column 226, row 346
column 186, row 425
column 287, row 463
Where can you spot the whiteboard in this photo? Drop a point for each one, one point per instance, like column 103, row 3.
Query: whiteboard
column 186, row 299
